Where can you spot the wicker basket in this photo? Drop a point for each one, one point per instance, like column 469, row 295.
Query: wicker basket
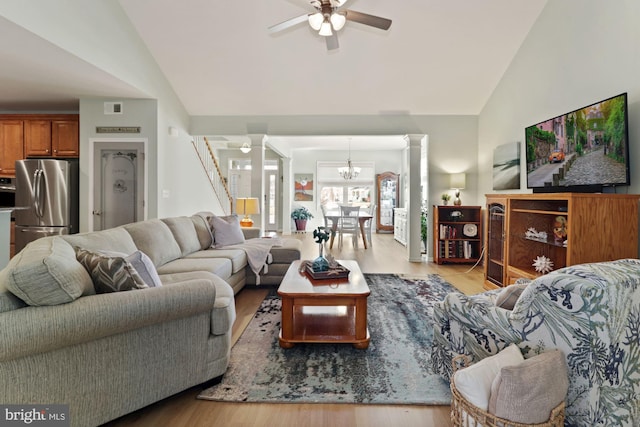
column 464, row 414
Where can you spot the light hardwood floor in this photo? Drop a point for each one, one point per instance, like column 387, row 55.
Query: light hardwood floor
column 385, row 256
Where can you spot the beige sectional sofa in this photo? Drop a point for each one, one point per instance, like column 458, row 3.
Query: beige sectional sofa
column 110, row 354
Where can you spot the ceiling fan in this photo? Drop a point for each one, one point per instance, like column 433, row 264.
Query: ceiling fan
column 329, row 19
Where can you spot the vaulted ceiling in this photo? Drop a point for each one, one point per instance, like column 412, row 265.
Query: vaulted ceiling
column 438, row 57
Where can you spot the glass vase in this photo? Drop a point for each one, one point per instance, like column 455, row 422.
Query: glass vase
column 320, row 264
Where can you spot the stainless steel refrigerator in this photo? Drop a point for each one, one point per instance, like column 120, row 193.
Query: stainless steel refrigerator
column 46, row 199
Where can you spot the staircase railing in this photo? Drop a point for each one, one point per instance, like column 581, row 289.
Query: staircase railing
column 212, row 168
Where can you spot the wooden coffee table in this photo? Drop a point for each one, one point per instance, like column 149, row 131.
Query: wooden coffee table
column 324, row 311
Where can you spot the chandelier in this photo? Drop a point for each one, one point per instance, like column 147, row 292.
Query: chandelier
column 350, row 171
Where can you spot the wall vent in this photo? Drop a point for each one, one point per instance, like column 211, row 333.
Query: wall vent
column 113, row 107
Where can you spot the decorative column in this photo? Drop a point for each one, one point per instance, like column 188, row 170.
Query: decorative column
column 287, row 199
column 414, row 201
column 257, row 174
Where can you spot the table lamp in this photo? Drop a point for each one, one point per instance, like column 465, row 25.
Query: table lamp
column 457, row 181
column 247, row 206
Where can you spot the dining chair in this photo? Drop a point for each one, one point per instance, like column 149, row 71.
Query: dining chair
column 348, row 224
column 324, row 209
column 368, row 224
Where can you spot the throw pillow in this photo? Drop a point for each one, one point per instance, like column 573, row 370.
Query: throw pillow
column 145, row 268
column 46, row 272
column 528, row 392
column 226, row 230
column 474, row 382
column 508, row 297
column 110, row 273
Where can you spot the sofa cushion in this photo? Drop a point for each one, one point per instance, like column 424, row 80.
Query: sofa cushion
column 110, row 273
column 184, row 231
column 111, row 240
column 528, row 392
column 46, row 272
column 226, row 230
column 238, row 257
column 474, row 382
column 287, row 252
column 218, row 266
column 203, row 228
column 154, row 238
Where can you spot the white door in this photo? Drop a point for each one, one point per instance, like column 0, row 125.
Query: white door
column 118, row 175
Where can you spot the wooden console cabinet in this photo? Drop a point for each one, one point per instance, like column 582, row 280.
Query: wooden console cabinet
column 457, row 234
column 590, row 228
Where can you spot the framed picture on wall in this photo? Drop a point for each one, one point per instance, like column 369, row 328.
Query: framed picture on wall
column 506, row 167
column 303, row 187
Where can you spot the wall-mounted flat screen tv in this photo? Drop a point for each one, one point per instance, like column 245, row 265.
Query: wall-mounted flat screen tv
column 581, row 151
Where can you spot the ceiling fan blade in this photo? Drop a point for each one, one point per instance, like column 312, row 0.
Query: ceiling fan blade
column 288, row 23
column 366, row 19
column 332, row 41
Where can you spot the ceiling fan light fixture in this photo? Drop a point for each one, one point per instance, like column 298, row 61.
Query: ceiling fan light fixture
column 316, row 20
column 246, row 148
column 325, row 29
column 338, row 20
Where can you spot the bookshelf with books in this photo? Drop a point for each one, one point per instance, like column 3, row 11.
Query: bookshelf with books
column 457, row 234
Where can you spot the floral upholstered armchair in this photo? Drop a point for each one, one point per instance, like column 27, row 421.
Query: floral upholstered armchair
column 590, row 312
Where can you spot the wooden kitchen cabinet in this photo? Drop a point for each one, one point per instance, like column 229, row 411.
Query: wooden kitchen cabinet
column 65, row 138
column 11, row 146
column 56, row 136
column 37, row 137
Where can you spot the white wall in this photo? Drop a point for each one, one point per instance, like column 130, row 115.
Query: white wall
column 577, row 53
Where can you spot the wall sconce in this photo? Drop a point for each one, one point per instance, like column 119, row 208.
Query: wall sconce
column 457, row 182
column 247, row 206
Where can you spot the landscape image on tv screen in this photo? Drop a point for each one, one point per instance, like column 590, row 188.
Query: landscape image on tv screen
column 586, row 147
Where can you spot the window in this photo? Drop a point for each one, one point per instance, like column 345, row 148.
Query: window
column 335, row 190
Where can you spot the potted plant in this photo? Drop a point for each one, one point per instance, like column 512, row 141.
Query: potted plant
column 445, row 198
column 300, row 216
column 424, row 211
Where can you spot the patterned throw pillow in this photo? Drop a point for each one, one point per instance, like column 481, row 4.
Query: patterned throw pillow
column 110, row 273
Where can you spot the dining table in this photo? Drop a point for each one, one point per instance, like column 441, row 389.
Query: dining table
column 334, row 217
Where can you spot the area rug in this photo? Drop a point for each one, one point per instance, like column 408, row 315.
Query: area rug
column 395, row 369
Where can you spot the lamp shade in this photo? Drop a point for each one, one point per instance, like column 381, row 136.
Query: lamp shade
column 325, row 29
column 457, row 180
column 337, row 20
column 247, row 206
column 316, row 20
